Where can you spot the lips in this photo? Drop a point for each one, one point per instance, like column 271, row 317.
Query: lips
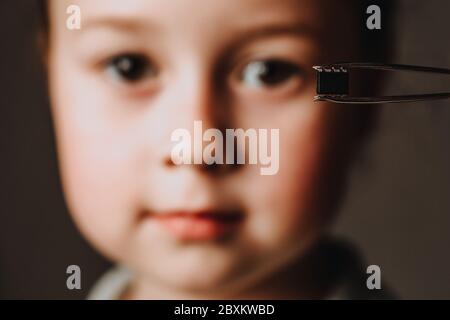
column 199, row 225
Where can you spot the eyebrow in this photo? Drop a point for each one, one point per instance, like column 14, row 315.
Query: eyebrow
column 253, row 34
column 123, row 24
column 133, row 24
column 276, row 29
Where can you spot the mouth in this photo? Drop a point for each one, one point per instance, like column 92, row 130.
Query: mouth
column 198, row 225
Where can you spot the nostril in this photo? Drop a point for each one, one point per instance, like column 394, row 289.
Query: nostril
column 211, row 168
column 214, row 168
column 218, row 169
column 168, row 162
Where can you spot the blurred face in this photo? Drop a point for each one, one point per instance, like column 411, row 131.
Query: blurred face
column 140, row 69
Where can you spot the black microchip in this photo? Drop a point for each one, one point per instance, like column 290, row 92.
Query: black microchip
column 329, row 82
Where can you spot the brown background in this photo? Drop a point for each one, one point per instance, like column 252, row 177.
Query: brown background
column 398, row 209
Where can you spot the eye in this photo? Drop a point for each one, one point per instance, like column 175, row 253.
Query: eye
column 130, row 68
column 269, row 73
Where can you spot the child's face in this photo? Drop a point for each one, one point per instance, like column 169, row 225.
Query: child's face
column 191, row 60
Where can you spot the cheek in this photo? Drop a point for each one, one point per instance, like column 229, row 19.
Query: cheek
column 285, row 206
column 98, row 159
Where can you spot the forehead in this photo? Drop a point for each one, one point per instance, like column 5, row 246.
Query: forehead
column 328, row 21
column 319, row 14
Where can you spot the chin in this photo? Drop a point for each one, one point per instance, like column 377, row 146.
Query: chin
column 202, row 278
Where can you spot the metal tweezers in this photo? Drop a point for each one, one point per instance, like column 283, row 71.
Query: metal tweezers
column 333, row 83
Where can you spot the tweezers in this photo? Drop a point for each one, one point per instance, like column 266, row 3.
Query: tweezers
column 333, row 83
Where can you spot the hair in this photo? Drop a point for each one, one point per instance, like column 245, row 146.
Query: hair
column 376, row 46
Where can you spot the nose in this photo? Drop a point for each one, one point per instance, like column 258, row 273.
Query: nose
column 200, row 104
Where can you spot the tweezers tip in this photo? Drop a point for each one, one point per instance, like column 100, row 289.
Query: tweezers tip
column 319, row 98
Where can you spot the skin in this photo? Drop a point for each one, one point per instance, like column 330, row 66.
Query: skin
column 114, row 139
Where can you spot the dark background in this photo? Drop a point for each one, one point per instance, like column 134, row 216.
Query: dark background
column 397, row 211
column 37, row 238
